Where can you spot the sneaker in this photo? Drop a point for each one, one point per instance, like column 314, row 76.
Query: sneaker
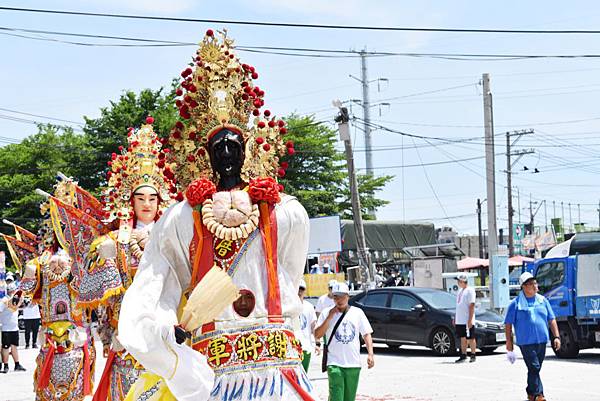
column 34, row 346
column 19, row 368
column 4, row 369
column 473, row 358
column 26, row 346
column 540, row 397
column 461, row 359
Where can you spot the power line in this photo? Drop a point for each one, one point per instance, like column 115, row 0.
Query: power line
column 297, row 25
column 40, row 116
column 433, row 189
column 292, row 51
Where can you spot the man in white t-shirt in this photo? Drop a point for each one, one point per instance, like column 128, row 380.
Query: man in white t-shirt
column 32, row 320
column 326, row 300
column 464, row 319
column 308, row 321
column 9, row 319
column 343, row 348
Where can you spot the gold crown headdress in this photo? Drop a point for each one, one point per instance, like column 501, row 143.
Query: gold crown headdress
column 218, row 92
column 143, row 163
column 64, row 190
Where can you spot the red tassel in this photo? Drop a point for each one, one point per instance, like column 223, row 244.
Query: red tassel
column 292, row 378
column 101, row 393
column 87, row 380
column 47, row 366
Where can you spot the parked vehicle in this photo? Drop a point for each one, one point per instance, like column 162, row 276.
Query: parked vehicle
column 423, row 316
column 572, row 286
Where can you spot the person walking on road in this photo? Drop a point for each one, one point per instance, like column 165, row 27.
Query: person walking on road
column 308, row 321
column 326, row 301
column 343, row 324
column 531, row 315
column 9, row 319
column 32, row 320
column 464, row 318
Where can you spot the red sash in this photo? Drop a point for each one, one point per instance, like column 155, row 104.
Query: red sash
column 101, row 393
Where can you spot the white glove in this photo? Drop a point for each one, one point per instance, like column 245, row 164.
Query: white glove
column 511, row 357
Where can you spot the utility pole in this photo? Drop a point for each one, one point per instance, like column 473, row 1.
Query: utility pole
column 531, row 215
column 509, row 166
column 366, row 106
column 479, row 228
column 599, row 214
column 545, row 216
column 570, row 218
column 562, row 209
column 364, row 256
column 490, row 174
column 519, row 204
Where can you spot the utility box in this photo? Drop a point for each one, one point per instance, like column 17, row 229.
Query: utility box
column 429, row 262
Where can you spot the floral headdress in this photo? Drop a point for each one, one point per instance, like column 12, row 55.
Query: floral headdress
column 143, row 163
column 218, row 92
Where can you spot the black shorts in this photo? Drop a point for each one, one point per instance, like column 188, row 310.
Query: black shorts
column 461, row 331
column 10, row 338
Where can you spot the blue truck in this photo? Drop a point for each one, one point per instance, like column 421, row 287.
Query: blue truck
column 572, row 285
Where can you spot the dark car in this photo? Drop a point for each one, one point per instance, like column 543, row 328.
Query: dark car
column 423, row 316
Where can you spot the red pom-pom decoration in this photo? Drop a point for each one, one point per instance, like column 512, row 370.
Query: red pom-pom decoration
column 267, row 113
column 281, row 172
column 264, row 189
column 256, row 113
column 289, row 144
column 199, row 191
column 179, row 197
column 283, row 131
column 261, row 124
column 291, row 151
column 271, row 123
column 254, row 75
column 284, row 165
column 260, row 140
column 266, row 147
column 149, row 120
column 210, row 33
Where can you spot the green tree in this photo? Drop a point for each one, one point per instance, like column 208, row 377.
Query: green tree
column 109, row 131
column 33, row 164
column 317, row 173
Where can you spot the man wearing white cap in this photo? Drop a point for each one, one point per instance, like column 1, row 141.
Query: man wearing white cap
column 531, row 315
column 308, row 320
column 326, row 301
column 343, row 324
column 464, row 318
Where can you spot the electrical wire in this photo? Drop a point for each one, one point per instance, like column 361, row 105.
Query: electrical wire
column 299, row 25
column 449, row 219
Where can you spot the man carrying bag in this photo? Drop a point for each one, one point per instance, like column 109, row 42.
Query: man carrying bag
column 341, row 353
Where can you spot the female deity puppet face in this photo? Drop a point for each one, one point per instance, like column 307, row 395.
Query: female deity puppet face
column 226, row 151
column 145, row 204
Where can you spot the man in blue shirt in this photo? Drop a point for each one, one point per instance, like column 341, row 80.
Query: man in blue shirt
column 531, row 314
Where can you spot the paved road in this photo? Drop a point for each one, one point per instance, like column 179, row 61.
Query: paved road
column 414, row 374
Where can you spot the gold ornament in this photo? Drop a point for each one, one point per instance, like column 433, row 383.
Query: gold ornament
column 218, row 92
column 142, row 164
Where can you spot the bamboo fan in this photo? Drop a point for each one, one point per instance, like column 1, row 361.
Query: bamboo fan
column 210, row 297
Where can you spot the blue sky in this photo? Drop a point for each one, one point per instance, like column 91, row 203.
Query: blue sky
column 556, row 98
